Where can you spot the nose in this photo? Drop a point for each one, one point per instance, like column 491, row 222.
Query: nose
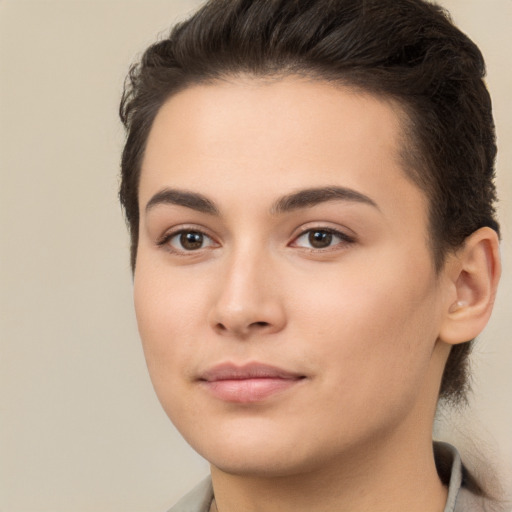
column 248, row 299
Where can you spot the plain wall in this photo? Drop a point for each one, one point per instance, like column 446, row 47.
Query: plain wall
column 80, row 427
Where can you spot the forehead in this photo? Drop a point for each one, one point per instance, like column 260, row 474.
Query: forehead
column 246, row 134
column 250, row 115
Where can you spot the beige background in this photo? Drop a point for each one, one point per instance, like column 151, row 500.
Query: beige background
column 80, row 427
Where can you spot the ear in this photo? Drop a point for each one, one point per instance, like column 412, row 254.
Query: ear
column 473, row 273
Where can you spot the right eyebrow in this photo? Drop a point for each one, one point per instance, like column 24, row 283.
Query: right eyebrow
column 184, row 198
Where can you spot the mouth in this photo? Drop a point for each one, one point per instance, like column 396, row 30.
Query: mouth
column 249, row 383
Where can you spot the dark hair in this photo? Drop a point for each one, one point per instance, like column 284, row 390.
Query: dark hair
column 404, row 50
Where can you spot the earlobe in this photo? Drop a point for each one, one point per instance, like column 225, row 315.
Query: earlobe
column 474, row 279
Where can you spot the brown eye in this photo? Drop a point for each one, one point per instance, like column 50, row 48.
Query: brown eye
column 191, row 240
column 187, row 241
column 320, row 239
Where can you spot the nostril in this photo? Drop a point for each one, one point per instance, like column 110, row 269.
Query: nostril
column 261, row 324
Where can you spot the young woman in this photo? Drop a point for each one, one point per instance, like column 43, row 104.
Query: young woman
column 309, row 190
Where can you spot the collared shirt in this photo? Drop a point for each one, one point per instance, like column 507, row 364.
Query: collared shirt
column 449, row 466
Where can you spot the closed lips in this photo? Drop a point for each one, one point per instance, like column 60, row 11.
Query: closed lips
column 247, row 384
column 230, row 371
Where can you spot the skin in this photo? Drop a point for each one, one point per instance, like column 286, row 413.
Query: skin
column 359, row 320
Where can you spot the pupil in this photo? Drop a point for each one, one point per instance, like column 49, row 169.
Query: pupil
column 191, row 240
column 320, row 239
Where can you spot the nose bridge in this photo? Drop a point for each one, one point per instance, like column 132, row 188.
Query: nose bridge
column 248, row 297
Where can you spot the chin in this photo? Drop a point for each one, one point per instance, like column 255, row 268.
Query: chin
column 260, row 465
column 261, row 454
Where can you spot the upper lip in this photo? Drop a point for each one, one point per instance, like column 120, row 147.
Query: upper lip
column 231, row 371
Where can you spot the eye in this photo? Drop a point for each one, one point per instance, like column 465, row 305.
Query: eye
column 187, row 240
column 321, row 238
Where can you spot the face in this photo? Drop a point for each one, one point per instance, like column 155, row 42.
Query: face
column 284, row 288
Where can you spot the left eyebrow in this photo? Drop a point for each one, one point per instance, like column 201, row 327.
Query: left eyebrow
column 310, row 197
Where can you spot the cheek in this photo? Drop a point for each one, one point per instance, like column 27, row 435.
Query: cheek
column 375, row 327
column 167, row 317
column 166, row 309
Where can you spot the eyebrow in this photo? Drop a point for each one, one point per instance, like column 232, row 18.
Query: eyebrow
column 306, row 198
column 310, row 197
column 184, row 198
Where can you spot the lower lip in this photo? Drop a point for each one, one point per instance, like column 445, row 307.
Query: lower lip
column 249, row 390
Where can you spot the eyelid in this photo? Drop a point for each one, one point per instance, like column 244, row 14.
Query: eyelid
column 169, row 234
column 164, row 239
column 345, row 238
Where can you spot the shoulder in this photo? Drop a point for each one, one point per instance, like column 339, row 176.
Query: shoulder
column 197, row 500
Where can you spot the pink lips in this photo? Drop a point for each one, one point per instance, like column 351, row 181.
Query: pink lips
column 252, row 382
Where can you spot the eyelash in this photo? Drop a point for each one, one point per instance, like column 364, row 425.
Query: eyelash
column 344, row 239
column 165, row 241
